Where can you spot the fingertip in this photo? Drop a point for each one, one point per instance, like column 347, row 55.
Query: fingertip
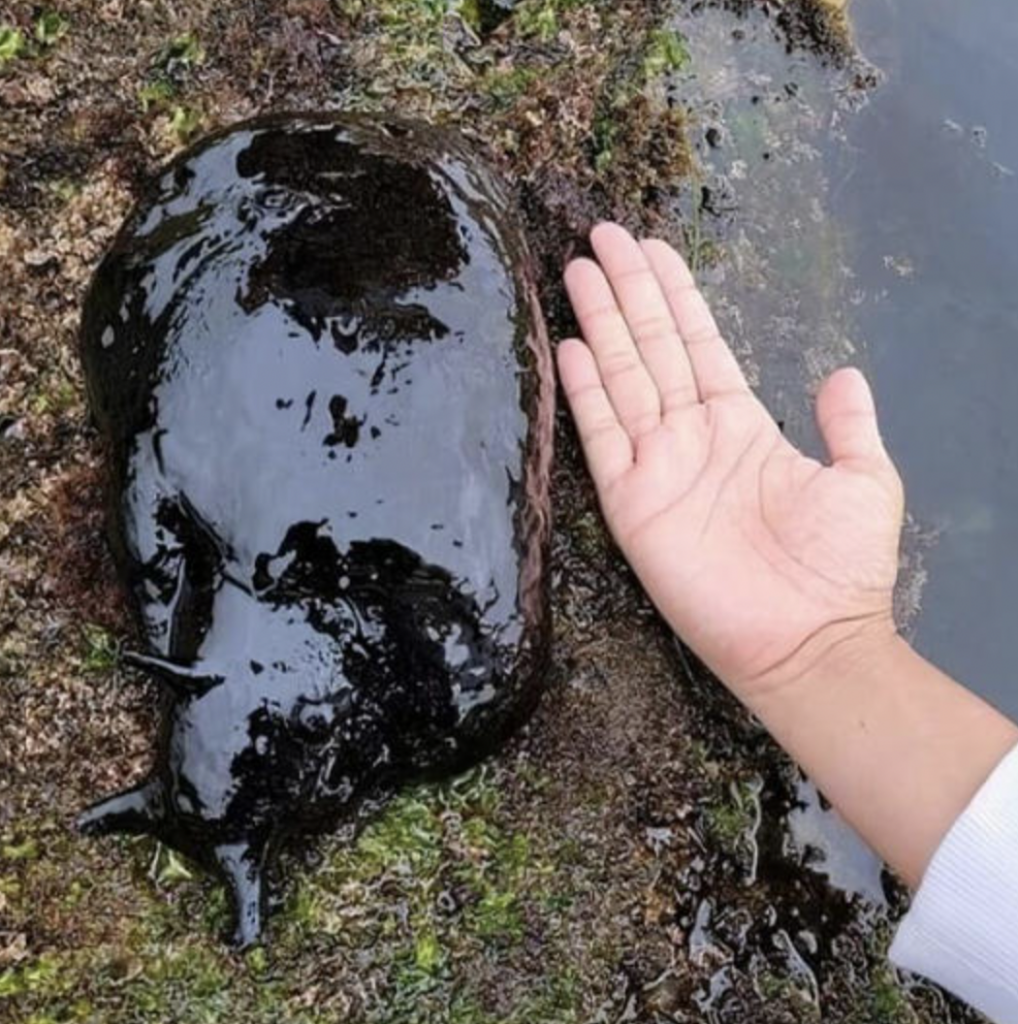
column 564, row 347
column 579, row 267
column 607, row 235
column 574, row 359
column 606, row 227
column 848, row 388
column 847, row 416
column 666, row 257
column 570, row 267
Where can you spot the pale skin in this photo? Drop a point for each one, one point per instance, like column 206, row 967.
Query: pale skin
column 776, row 569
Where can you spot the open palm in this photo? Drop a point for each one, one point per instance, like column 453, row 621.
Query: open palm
column 754, row 554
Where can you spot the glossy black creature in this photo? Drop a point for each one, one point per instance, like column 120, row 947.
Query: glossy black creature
column 317, row 360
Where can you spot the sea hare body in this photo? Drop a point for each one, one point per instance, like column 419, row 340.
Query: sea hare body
column 316, row 358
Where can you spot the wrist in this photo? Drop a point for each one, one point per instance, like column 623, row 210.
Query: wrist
column 898, row 747
column 852, row 649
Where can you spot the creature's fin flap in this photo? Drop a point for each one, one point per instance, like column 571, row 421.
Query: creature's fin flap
column 133, row 811
column 242, row 865
column 184, row 680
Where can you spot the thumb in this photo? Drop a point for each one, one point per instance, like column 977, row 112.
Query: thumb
column 847, row 417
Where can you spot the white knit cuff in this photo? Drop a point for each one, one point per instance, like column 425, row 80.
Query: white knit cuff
column 962, row 930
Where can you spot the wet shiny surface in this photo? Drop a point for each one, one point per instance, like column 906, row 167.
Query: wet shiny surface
column 316, row 357
column 928, row 189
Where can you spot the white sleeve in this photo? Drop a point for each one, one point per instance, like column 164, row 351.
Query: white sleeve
column 962, row 930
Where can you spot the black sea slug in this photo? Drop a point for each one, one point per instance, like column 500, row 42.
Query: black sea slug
column 316, row 359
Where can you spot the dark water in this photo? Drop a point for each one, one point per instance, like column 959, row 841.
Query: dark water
column 929, row 182
column 869, row 215
column 316, row 360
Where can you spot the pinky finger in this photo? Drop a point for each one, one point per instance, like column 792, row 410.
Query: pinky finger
column 606, row 444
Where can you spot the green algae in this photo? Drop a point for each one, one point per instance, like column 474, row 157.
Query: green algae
column 100, row 649
column 640, row 142
column 12, row 43
column 45, row 32
column 733, row 818
column 542, row 18
column 50, row 28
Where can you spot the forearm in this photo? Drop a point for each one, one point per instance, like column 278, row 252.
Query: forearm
column 898, row 747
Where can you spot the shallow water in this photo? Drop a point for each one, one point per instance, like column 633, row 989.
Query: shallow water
column 928, row 185
column 870, row 215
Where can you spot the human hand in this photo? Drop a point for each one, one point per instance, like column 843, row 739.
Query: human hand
column 761, row 559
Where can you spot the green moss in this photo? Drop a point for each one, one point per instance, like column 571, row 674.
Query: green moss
column 12, row 44
column 45, row 975
column 666, row 52
column 26, row 849
column 407, row 838
column 424, row 840
column 638, row 139
column 410, row 55
column 781, row 989
column 497, row 916
column 185, row 122
column 156, row 95
column 65, row 189
column 171, row 68
column 186, row 978
column 100, row 649
column 146, row 982
column 505, row 85
column 413, row 16
column 182, row 53
column 539, row 20
column 391, row 892
column 728, row 823
column 428, row 955
column 542, row 18
column 55, row 395
column 884, row 1001
column 733, row 820
column 419, row 998
column 50, row 28
column 890, row 1004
